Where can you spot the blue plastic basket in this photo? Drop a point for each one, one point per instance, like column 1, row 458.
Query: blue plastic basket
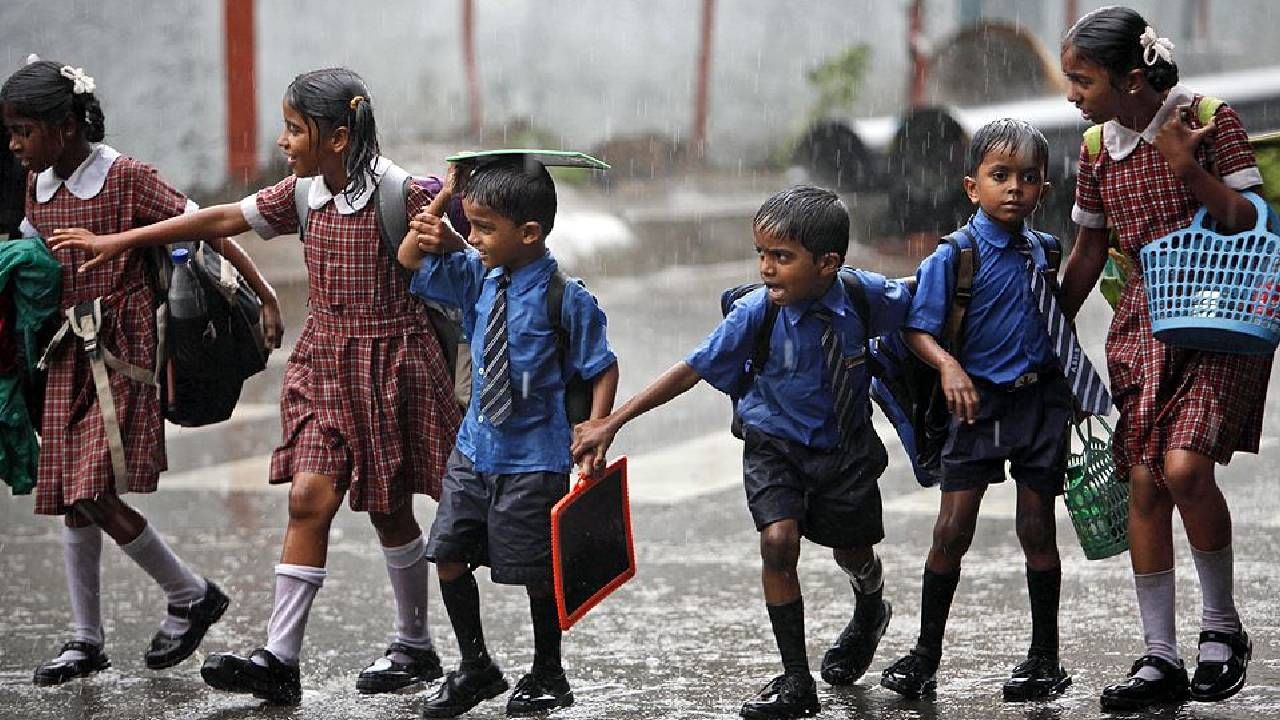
column 1219, row 293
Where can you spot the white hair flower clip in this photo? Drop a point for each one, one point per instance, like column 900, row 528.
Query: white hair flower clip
column 33, row 58
column 80, row 83
column 1155, row 47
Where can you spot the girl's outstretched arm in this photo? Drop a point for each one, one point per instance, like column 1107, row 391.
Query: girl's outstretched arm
column 210, row 223
column 591, row 439
column 1084, row 265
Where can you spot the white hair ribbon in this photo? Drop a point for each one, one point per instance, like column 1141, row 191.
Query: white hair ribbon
column 80, row 83
column 33, row 58
column 1155, row 47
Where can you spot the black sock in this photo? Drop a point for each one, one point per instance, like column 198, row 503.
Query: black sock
column 937, row 592
column 462, row 601
column 1043, row 588
column 546, row 636
column 788, row 628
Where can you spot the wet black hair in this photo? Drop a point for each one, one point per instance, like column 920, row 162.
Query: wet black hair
column 1109, row 37
column 519, row 189
column 326, row 97
column 812, row 216
column 1008, row 134
column 39, row 91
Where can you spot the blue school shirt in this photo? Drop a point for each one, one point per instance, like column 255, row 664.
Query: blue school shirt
column 1004, row 335
column 790, row 397
column 536, row 436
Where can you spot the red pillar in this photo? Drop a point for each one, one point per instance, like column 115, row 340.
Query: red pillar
column 475, row 118
column 242, row 101
column 919, row 63
column 701, row 98
column 1071, row 12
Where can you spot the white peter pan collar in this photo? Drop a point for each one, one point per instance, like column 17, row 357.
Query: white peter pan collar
column 319, row 195
column 1121, row 141
column 87, row 180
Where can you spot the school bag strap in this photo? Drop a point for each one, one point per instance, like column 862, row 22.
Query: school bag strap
column 965, row 269
column 577, row 390
column 1205, row 110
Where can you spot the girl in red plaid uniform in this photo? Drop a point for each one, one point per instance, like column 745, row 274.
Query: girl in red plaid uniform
column 367, row 407
column 1180, row 410
column 56, row 127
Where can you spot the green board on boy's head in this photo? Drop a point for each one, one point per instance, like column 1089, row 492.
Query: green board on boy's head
column 549, row 158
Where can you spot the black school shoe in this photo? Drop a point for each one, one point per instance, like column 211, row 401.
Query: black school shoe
column 791, row 695
column 168, row 650
column 464, row 689
column 1136, row 694
column 912, row 677
column 276, row 682
column 537, row 693
column 385, row 675
column 56, row 672
column 1216, row 681
column 850, row 656
column 1036, row 678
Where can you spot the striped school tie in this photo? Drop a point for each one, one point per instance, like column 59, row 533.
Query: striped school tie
column 1086, row 385
column 838, row 375
column 495, row 395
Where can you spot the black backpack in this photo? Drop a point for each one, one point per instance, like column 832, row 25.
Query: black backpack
column 908, row 390
column 204, row 361
column 393, row 223
column 857, row 295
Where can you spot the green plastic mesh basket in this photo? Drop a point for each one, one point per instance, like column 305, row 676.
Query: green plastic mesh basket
column 1096, row 498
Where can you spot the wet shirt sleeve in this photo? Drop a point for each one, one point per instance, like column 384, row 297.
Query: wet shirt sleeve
column 1233, row 156
column 889, row 301
column 589, row 353
column 723, row 355
column 928, row 310
column 270, row 211
column 453, row 280
column 1088, row 210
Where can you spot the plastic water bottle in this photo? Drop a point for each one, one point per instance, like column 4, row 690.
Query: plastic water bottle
column 186, row 298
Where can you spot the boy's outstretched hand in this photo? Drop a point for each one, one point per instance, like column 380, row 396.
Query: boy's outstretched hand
column 591, row 440
column 102, row 248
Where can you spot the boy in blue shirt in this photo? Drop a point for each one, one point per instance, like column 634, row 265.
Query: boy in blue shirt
column 1008, row 398
column 511, row 462
column 811, row 459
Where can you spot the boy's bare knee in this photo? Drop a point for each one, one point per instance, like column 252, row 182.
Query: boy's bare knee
column 1037, row 536
column 780, row 546
column 951, row 538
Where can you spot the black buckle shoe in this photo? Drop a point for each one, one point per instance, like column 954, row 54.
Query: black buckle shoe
column 850, row 656
column 464, row 689
column 912, row 677
column 537, row 693
column 1136, row 694
column 276, row 682
column 168, row 650
column 386, row 675
column 1036, row 678
column 1214, row 681
column 56, row 672
column 791, row 695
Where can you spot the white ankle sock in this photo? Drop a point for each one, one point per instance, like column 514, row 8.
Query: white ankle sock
column 1219, row 607
column 180, row 585
column 82, row 557
column 296, row 588
column 410, row 574
column 1156, row 593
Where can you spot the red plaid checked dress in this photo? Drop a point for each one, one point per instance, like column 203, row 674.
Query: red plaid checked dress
column 1170, row 398
column 75, row 463
column 367, row 398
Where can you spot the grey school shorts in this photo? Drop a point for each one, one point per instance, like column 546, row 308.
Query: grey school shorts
column 502, row 521
column 1027, row 427
column 833, row 494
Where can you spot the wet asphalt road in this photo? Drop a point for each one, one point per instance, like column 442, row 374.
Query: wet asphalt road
column 687, row 638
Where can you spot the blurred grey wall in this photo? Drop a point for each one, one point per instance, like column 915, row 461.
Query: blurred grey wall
column 584, row 71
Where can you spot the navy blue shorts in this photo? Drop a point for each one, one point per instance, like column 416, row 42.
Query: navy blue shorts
column 833, row 494
column 502, row 521
column 1028, row 427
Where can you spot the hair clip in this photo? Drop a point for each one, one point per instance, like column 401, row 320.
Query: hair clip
column 80, row 83
column 1155, row 47
column 33, row 58
column 355, row 101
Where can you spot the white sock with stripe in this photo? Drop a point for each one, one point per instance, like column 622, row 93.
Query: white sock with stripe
column 296, row 588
